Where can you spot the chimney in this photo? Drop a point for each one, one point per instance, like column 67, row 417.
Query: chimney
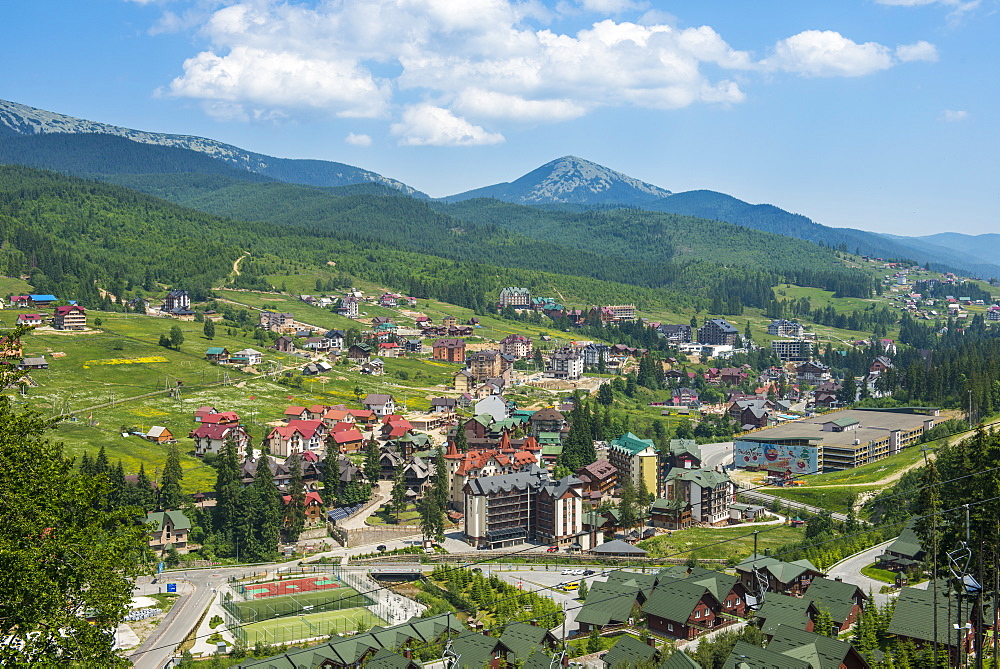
column 408, row 654
column 535, row 623
column 651, row 641
column 838, row 579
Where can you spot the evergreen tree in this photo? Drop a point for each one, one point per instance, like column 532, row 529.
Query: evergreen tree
column 397, row 503
column 331, row 479
column 264, row 513
column 643, row 496
column 86, row 465
column 101, row 462
column 373, row 466
column 604, row 395
column 461, row 439
column 176, row 337
column 228, row 490
column 118, row 493
column 824, row 623
column 848, row 390
column 581, row 593
column 145, row 496
column 295, row 510
column 209, row 329
column 431, row 516
column 441, row 482
column 628, row 507
column 164, row 341
column 170, row 483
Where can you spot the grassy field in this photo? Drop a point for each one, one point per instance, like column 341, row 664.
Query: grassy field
column 703, row 542
column 833, row 498
column 294, row 628
column 870, row 473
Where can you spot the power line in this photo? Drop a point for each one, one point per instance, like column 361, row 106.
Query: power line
column 678, row 553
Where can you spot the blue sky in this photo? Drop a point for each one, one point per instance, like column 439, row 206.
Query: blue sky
column 876, row 114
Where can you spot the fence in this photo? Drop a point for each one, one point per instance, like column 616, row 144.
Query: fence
column 358, row 603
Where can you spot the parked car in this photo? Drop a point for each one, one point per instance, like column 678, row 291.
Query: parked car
column 567, row 572
column 552, row 549
column 381, row 549
column 589, row 572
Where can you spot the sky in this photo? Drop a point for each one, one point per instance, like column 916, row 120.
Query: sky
column 873, row 114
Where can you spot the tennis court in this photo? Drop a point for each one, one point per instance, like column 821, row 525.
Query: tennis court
column 291, row 586
column 266, row 608
column 308, row 626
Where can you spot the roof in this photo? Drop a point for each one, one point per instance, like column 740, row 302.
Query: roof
column 179, row 520
column 783, row 572
column 376, row 400
column 631, row 444
column 157, row 431
column 607, row 603
column 215, row 350
column 906, row 544
column 836, row 597
column 913, row 616
column 748, row 656
column 617, row 547
column 705, row 478
column 675, row 599
column 779, row 609
column 679, row 660
column 874, row 426
column 628, row 652
column 43, row 298
column 821, row 652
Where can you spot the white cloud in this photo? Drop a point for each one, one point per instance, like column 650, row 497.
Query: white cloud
column 826, row 53
column 611, row 6
column 491, row 104
column 355, row 139
column 281, row 79
column 953, row 115
column 427, row 125
column 482, row 61
column 907, row 53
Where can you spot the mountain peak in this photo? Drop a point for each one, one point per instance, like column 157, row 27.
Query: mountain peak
column 571, row 179
column 20, row 119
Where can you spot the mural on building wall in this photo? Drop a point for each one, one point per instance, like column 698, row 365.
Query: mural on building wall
column 778, row 458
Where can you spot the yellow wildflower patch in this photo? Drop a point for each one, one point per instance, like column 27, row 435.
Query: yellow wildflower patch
column 128, row 361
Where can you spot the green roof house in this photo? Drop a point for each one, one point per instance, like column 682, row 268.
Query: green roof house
column 778, row 609
column 170, row 528
column 787, row 577
column 628, row 652
column 682, row 609
column 844, row 601
column 607, row 604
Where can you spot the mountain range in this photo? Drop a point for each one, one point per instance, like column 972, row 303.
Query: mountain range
column 44, row 139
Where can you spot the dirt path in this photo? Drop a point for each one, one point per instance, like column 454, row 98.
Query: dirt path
column 236, row 263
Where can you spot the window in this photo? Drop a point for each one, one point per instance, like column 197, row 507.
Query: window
column 737, row 601
column 697, row 614
column 670, row 627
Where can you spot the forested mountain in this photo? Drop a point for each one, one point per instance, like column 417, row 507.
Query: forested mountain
column 985, row 248
column 18, row 119
column 699, row 258
column 75, row 237
column 106, row 155
column 572, row 184
column 722, row 207
column 570, row 180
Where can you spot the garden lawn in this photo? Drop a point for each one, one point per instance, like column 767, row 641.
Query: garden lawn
column 703, row 542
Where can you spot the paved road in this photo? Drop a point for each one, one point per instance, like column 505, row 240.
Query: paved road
column 717, row 455
column 159, row 647
column 849, row 569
